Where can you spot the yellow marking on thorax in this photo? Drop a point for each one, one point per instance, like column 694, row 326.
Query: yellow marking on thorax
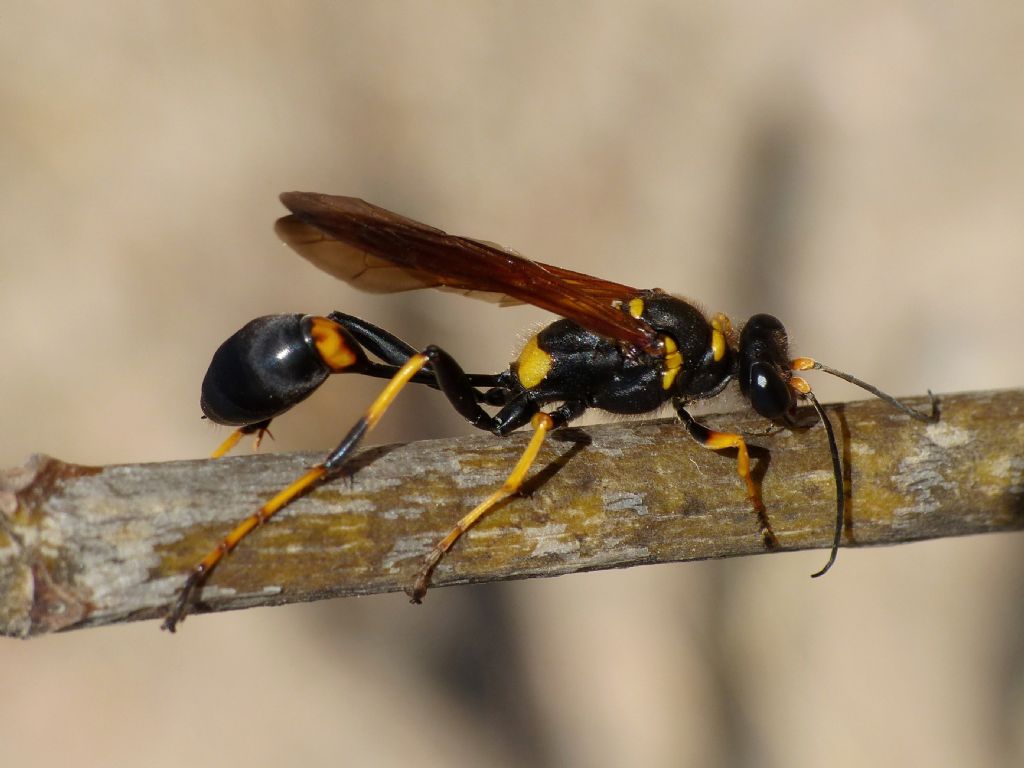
column 636, row 307
column 331, row 344
column 534, row 364
column 673, row 362
column 721, row 327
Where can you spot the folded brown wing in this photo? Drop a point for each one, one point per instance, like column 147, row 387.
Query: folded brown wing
column 379, row 251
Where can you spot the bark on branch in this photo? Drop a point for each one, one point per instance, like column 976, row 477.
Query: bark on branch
column 85, row 546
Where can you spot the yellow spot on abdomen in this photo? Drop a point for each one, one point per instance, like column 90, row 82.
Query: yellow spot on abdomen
column 331, row 344
column 534, row 364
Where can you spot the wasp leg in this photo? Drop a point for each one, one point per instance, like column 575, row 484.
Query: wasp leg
column 315, row 475
column 717, row 441
column 452, row 381
column 542, row 424
column 260, row 428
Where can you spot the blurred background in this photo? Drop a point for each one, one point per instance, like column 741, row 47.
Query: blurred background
column 857, row 170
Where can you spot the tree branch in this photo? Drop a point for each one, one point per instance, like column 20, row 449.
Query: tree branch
column 85, row 546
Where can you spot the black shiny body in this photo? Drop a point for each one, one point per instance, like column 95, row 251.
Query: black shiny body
column 262, row 370
column 600, row 373
column 271, row 365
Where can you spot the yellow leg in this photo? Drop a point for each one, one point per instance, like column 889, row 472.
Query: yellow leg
column 310, row 478
column 542, row 424
column 228, row 444
column 238, row 434
column 717, row 441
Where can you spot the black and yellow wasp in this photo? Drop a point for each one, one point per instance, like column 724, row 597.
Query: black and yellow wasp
column 621, row 349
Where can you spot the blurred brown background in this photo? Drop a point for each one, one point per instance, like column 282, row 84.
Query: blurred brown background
column 856, row 169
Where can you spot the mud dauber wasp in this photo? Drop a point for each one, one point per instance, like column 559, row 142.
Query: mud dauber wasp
column 617, row 348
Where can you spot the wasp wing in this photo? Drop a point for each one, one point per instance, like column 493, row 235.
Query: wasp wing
column 379, row 251
column 361, row 269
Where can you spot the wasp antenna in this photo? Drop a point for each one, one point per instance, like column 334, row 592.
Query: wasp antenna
column 914, row 413
column 837, row 470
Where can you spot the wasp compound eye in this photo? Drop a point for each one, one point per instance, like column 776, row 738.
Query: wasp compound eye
column 764, row 367
column 768, row 391
column 261, row 371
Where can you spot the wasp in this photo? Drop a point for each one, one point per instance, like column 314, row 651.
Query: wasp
column 616, row 348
